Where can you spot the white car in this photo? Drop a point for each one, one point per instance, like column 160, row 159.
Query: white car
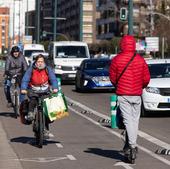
column 34, row 54
column 156, row 97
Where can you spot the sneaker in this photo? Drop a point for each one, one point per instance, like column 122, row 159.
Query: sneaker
column 30, row 116
column 47, row 134
column 9, row 104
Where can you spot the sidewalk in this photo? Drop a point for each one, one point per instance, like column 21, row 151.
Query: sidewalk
column 8, row 158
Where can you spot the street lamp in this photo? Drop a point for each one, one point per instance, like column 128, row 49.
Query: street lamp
column 54, row 31
column 45, row 32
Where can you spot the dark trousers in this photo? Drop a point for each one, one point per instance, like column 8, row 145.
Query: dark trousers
column 7, row 86
column 33, row 102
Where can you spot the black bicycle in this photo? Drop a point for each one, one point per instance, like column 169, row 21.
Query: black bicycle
column 14, row 91
column 39, row 121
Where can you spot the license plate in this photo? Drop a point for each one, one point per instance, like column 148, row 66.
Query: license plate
column 71, row 75
column 105, row 83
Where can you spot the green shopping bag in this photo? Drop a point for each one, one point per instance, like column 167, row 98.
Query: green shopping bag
column 55, row 107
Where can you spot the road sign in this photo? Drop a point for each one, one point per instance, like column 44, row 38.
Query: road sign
column 27, row 39
column 152, row 44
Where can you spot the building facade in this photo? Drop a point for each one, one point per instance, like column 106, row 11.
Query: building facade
column 76, row 19
column 4, row 28
column 110, row 25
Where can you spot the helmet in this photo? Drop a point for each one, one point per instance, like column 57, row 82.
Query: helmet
column 15, row 49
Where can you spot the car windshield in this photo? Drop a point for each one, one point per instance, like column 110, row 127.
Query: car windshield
column 159, row 70
column 97, row 65
column 71, row 52
column 28, row 53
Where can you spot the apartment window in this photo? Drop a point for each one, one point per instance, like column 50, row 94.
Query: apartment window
column 87, row 6
column 88, row 18
column 87, row 28
column 99, row 29
column 3, row 27
column 105, row 28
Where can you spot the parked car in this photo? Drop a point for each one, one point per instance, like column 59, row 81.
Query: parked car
column 93, row 74
column 156, row 97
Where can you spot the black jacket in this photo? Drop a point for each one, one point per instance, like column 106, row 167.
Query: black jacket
column 15, row 66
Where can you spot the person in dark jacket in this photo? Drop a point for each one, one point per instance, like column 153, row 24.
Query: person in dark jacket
column 129, row 88
column 37, row 80
column 15, row 65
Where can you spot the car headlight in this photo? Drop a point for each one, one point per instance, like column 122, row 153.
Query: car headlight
column 58, row 66
column 153, row 90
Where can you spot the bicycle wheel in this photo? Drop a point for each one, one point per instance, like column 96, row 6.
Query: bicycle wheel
column 39, row 129
column 16, row 104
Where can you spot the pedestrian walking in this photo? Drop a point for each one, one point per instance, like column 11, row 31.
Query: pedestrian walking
column 129, row 74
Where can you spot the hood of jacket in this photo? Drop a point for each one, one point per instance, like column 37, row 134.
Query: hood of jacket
column 128, row 44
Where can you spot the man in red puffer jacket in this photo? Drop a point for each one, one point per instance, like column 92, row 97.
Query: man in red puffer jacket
column 129, row 88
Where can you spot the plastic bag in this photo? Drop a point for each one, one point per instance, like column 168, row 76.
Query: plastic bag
column 55, row 107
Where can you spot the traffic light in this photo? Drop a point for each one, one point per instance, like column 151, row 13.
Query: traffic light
column 123, row 14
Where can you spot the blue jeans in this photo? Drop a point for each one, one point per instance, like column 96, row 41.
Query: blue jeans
column 7, row 87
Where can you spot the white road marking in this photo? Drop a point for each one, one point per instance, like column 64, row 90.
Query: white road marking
column 47, row 160
column 140, row 133
column 154, row 140
column 59, row 145
column 119, row 135
column 70, row 157
column 125, row 165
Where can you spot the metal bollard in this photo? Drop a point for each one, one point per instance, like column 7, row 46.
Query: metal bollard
column 113, row 108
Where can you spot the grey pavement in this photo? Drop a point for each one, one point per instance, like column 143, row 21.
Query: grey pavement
column 8, row 158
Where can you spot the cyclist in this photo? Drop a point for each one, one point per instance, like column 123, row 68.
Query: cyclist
column 15, row 65
column 37, row 80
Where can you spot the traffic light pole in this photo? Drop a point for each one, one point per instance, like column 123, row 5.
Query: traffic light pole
column 130, row 17
column 38, row 21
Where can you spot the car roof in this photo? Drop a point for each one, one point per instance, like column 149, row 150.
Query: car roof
column 156, row 61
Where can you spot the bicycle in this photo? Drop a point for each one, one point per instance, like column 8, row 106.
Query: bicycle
column 14, row 91
column 39, row 121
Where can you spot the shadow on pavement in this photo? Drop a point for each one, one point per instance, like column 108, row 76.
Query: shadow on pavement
column 31, row 141
column 7, row 114
column 114, row 154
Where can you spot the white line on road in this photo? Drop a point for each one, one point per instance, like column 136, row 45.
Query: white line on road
column 118, row 135
column 125, row 165
column 59, row 145
column 70, row 157
column 48, row 159
column 140, row 133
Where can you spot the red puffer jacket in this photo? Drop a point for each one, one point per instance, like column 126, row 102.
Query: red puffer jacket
column 136, row 77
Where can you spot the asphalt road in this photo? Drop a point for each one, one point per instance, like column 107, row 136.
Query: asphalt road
column 81, row 142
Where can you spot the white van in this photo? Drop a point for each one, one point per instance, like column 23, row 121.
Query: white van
column 67, row 56
column 29, row 49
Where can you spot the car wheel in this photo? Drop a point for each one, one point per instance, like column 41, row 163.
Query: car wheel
column 76, row 86
column 143, row 111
